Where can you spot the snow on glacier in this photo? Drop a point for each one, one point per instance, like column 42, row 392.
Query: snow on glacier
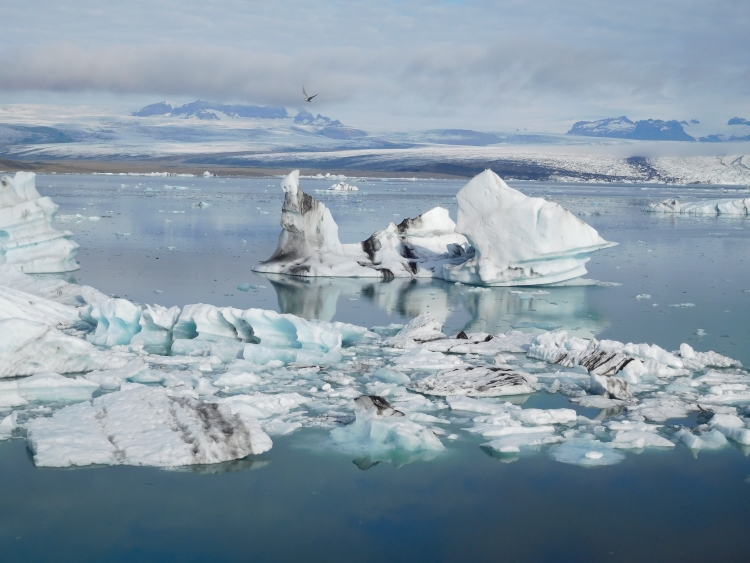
column 27, row 238
column 502, row 237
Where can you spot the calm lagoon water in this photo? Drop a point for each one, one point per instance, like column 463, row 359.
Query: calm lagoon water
column 303, row 501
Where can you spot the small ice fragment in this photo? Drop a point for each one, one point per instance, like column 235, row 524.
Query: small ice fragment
column 643, row 296
column 170, row 248
column 681, row 305
column 700, row 332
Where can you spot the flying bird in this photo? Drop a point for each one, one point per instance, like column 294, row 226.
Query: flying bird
column 307, row 98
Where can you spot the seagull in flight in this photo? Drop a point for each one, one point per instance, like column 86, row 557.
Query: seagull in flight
column 307, row 98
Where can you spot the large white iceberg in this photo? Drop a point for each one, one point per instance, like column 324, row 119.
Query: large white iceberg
column 27, row 238
column 502, row 237
column 517, row 239
column 739, row 207
column 29, row 347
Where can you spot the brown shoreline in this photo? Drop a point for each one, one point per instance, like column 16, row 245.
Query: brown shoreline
column 175, row 166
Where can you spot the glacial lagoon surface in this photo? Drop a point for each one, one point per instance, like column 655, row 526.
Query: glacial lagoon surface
column 180, row 240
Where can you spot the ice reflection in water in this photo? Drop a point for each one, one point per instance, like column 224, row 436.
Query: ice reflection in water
column 492, row 310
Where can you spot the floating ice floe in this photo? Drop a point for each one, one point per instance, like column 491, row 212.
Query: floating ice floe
column 502, row 238
column 144, row 426
column 739, row 207
column 220, row 380
column 343, row 187
column 378, row 429
column 27, row 238
column 477, row 381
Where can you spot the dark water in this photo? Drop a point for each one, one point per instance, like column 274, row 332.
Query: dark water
column 304, row 501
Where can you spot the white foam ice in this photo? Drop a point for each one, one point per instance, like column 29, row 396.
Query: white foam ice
column 731, row 207
column 144, row 426
column 502, row 237
column 27, row 238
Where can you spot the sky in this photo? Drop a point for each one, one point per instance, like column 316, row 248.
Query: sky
column 490, row 65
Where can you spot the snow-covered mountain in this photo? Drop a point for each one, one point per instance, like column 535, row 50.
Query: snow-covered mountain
column 623, row 128
column 234, row 139
column 211, row 111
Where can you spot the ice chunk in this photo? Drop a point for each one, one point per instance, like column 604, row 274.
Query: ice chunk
column 423, row 328
column 712, row 440
column 493, row 381
column 538, row 417
column 614, row 387
column 588, row 453
column 258, row 335
column 16, row 304
column 237, row 378
column 378, row 428
column 28, row 348
column 144, row 426
column 343, row 187
column 7, row 426
column 424, row 359
column 53, row 289
column 518, row 240
column 639, row 439
column 117, row 321
column 47, row 387
column 112, row 379
column 156, row 324
column 732, row 426
column 27, row 238
column 260, row 405
column 462, row 403
column 707, row 359
column 515, row 442
column 388, row 375
column 309, row 243
column 557, row 348
column 739, row 207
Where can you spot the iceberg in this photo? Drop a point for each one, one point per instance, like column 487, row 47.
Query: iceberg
column 502, row 238
column 144, row 426
column 739, row 207
column 309, row 243
column 518, row 240
column 27, row 238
